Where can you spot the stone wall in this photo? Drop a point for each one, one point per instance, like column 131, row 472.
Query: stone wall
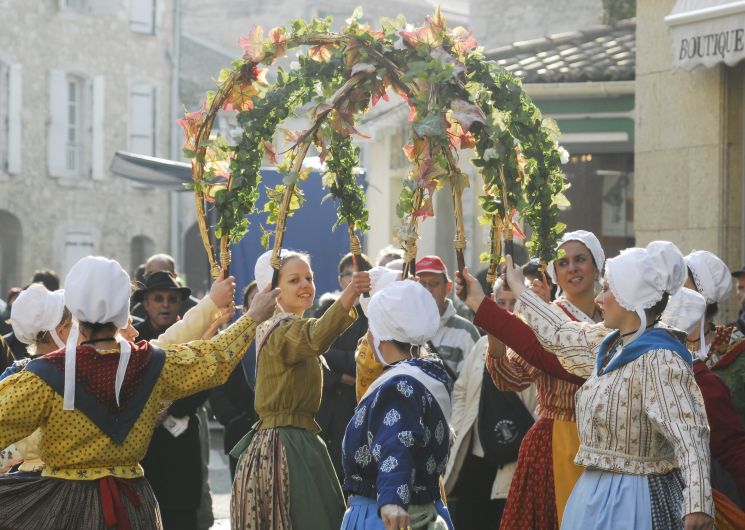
column 97, row 42
column 689, row 146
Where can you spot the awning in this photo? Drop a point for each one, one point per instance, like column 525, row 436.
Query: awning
column 151, row 171
column 707, row 32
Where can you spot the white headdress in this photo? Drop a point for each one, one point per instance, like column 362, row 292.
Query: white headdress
column 685, row 311
column 710, row 274
column 589, row 240
column 639, row 277
column 403, row 311
column 97, row 290
column 35, row 310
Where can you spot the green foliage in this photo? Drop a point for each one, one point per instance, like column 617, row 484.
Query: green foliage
column 341, row 164
column 457, row 100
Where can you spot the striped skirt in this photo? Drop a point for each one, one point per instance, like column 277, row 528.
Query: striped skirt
column 607, row 500
column 33, row 503
column 544, row 476
column 284, row 480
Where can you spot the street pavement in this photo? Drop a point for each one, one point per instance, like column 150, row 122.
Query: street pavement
column 219, row 479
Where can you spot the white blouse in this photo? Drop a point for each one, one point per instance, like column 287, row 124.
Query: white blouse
column 646, row 417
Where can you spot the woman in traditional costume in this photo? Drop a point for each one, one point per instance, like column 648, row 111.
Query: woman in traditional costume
column 724, row 345
column 685, row 312
column 396, row 444
column 644, row 438
column 284, row 477
column 545, row 472
column 97, row 405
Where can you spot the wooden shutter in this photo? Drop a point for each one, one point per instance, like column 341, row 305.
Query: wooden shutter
column 15, row 129
column 56, row 133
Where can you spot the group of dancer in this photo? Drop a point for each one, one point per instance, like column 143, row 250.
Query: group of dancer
column 633, row 425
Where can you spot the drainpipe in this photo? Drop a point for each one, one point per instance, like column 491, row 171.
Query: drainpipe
column 175, row 137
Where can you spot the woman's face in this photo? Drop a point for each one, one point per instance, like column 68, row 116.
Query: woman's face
column 613, row 314
column 575, row 270
column 63, row 330
column 296, row 285
column 129, row 333
column 506, row 299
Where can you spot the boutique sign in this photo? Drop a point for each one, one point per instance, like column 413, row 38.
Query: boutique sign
column 707, row 40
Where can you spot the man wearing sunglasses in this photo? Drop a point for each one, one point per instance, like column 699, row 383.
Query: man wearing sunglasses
column 173, row 460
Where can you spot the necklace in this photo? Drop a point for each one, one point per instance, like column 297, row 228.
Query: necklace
column 632, row 332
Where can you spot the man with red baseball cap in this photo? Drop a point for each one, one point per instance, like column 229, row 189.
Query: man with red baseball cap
column 456, row 335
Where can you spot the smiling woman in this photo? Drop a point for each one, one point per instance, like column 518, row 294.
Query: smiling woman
column 282, row 459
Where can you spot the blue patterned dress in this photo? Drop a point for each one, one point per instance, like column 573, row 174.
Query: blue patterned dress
column 397, row 443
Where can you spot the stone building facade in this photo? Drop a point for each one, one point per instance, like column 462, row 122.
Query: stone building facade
column 79, row 80
column 689, row 139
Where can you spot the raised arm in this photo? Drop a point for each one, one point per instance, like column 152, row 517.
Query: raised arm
column 519, row 337
column 198, row 320
column 575, row 344
column 299, row 339
column 202, row 364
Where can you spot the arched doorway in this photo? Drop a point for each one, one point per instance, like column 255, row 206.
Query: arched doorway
column 196, row 266
column 10, row 252
column 140, row 248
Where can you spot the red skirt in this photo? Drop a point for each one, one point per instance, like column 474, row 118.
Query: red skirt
column 531, row 503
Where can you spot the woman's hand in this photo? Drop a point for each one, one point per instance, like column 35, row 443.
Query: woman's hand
column 475, row 292
column 514, row 277
column 698, row 521
column 360, row 284
column 541, row 288
column 222, row 291
column 263, row 305
column 395, row 517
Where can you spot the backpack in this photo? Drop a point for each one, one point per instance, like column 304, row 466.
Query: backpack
column 502, row 422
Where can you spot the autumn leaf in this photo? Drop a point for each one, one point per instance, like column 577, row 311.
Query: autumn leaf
column 428, row 35
column 321, row 53
column 278, row 39
column 516, row 221
column 190, row 125
column 380, row 90
column 460, row 138
column 240, row 97
column 439, row 21
column 270, row 151
column 418, row 149
column 466, row 113
column 253, row 45
column 344, row 123
column 463, row 41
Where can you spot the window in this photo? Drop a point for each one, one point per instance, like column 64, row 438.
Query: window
column 10, row 118
column 142, row 119
column 76, row 135
column 142, row 16
column 73, row 145
column 78, row 244
column 77, row 6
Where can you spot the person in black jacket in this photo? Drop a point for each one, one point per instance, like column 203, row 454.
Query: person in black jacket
column 338, row 400
column 173, row 460
column 233, row 403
